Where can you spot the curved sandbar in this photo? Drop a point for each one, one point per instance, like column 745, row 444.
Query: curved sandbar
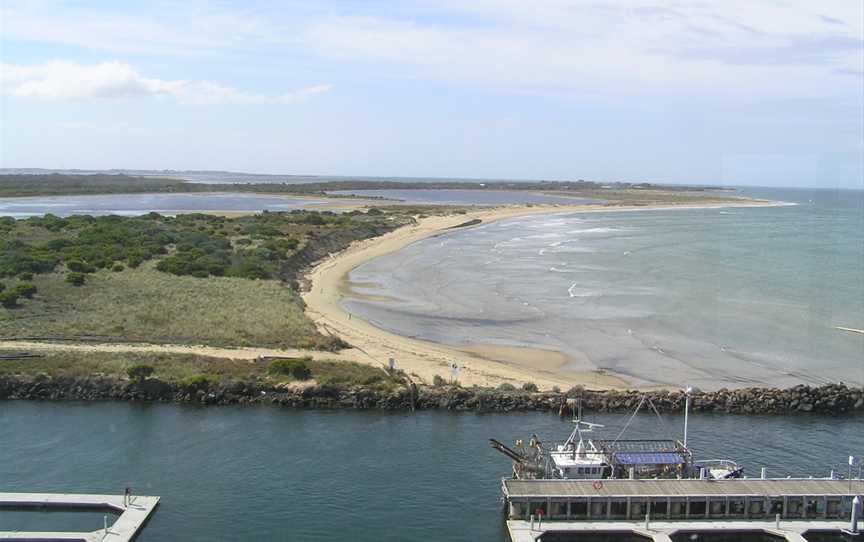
column 483, row 365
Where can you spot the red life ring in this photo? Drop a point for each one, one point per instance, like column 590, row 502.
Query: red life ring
column 598, row 485
column 538, row 512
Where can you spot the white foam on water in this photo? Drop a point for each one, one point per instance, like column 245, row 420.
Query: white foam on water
column 575, row 291
column 595, row 230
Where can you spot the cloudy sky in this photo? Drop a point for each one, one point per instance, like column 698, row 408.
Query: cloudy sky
column 767, row 92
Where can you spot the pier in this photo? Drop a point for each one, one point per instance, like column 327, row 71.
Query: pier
column 657, row 509
column 134, row 512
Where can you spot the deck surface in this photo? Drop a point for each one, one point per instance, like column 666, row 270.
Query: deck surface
column 124, row 529
column 660, row 531
column 752, row 487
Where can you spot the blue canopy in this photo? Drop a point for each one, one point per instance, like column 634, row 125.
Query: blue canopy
column 648, row 458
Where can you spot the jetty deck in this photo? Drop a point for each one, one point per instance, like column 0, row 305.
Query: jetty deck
column 663, row 531
column 558, row 510
column 133, row 515
column 753, row 487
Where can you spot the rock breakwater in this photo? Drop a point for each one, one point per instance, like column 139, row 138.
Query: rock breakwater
column 832, row 399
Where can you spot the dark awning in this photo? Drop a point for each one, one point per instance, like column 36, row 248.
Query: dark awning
column 648, row 458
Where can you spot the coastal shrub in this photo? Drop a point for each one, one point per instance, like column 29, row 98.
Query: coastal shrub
column 2, row 286
column 9, row 299
column 26, row 275
column 556, row 389
column 506, row 386
column 438, row 381
column 195, row 383
column 79, row 266
column 25, row 289
column 134, row 260
column 117, row 267
column 575, row 391
column 76, row 279
column 140, row 373
column 530, row 387
column 294, row 367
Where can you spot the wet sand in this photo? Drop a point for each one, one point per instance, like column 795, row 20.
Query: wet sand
column 483, row 365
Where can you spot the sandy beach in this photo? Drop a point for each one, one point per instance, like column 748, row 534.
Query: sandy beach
column 480, row 364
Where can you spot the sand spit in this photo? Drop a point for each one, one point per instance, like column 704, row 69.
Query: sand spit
column 480, row 364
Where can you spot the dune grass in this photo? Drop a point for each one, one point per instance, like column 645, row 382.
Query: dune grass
column 146, row 305
column 183, row 368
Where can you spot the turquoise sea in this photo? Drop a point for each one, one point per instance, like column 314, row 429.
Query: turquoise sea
column 718, row 297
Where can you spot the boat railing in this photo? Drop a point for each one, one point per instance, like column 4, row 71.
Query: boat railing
column 686, row 480
column 717, row 462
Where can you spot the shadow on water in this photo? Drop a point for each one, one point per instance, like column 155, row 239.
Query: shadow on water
column 735, row 536
column 829, row 536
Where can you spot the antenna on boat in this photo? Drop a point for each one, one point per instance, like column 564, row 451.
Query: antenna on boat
column 687, row 393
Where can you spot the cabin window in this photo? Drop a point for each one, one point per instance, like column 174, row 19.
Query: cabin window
column 834, row 508
column 775, row 506
column 757, row 508
column 814, row 507
column 538, row 508
column 794, row 507
column 518, row 510
column 717, row 507
column 580, row 470
column 637, row 508
column 618, row 509
column 578, row 509
column 736, row 507
column 659, row 509
column 698, row 507
column 678, row 508
column 558, row 510
column 598, row 509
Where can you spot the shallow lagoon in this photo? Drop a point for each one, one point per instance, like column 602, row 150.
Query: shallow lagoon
column 140, row 204
column 466, row 197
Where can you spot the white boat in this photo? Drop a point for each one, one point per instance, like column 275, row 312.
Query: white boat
column 580, row 458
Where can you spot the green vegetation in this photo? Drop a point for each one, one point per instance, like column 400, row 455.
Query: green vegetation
column 146, row 305
column 189, row 371
column 253, row 247
column 9, row 297
column 59, row 184
column 294, row 367
column 140, row 372
column 506, row 386
column 188, row 279
column 76, row 279
column 530, row 387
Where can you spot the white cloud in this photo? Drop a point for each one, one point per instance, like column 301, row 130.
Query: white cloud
column 62, row 80
column 576, row 47
column 603, row 47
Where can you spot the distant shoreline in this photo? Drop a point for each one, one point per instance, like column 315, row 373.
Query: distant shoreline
column 480, row 364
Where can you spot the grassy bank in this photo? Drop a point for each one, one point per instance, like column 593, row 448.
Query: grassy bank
column 188, row 369
column 191, row 279
column 147, row 305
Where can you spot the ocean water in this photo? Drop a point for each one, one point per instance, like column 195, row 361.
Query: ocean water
column 141, row 204
column 465, row 197
column 276, row 474
column 707, row 297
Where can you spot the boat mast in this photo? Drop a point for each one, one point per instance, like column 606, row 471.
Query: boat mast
column 687, row 393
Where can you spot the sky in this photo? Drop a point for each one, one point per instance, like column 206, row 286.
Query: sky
column 732, row 92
